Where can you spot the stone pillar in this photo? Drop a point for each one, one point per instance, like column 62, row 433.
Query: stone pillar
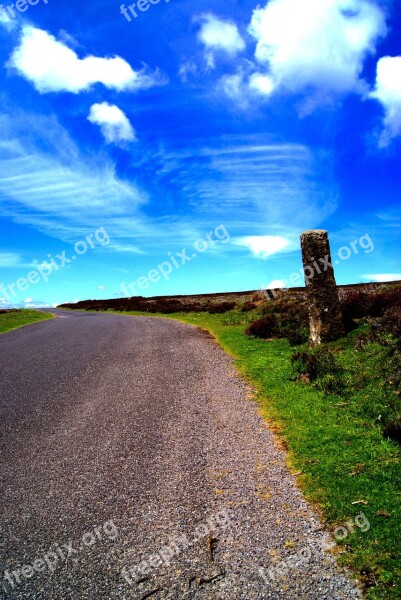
column 326, row 323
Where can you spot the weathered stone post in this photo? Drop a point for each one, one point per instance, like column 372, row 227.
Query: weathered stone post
column 326, row 323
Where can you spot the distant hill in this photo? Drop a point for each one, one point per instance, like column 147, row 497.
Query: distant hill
column 214, row 303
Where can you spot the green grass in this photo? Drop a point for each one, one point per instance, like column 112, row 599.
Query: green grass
column 15, row 319
column 335, row 441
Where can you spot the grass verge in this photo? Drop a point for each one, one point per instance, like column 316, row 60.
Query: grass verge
column 19, row 318
column 334, row 441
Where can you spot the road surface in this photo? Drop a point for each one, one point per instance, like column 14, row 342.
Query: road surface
column 134, row 464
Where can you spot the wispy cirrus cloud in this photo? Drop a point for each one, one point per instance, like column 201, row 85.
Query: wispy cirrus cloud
column 12, row 260
column 59, row 190
column 265, row 187
column 54, row 67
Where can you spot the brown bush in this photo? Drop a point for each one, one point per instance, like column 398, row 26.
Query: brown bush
column 264, row 328
column 358, row 304
column 392, row 321
column 248, row 306
column 284, row 317
column 393, row 430
column 290, row 308
column 221, row 307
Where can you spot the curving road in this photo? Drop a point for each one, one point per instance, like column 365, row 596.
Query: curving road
column 135, row 465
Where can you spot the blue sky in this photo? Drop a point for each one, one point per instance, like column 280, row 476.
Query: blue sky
column 125, row 140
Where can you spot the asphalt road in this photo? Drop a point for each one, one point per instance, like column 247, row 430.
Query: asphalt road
column 134, row 464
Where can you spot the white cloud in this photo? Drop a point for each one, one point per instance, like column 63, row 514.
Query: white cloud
column 276, row 284
column 6, row 21
column 9, row 260
column 101, row 287
column 60, row 190
column 28, row 300
column 12, row 260
column 187, row 69
column 217, row 34
column 263, row 246
column 315, row 44
column 53, row 67
column 388, row 92
column 233, row 87
column 261, row 83
column 34, row 304
column 260, row 183
column 125, row 248
column 113, row 122
column 382, row 277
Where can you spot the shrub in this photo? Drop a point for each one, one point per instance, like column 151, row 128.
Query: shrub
column 392, row 321
column 196, row 307
column 248, row 306
column 358, row 304
column 384, row 299
column 285, row 317
column 332, row 384
column 294, row 323
column 393, row 430
column 221, row 308
column 264, row 328
column 295, row 333
column 304, row 365
column 319, row 366
column 355, row 305
column 165, row 306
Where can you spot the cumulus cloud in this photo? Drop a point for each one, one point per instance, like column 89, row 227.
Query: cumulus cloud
column 263, row 246
column 276, row 284
column 113, row 122
column 388, row 92
column 314, row 44
column 217, row 34
column 53, row 67
column 261, row 83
